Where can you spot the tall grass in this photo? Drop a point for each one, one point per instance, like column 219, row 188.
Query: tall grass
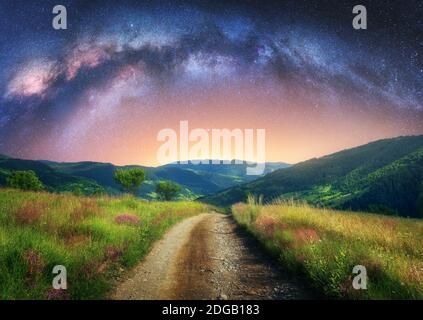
column 325, row 245
column 94, row 238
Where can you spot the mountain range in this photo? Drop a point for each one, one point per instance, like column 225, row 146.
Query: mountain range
column 385, row 176
column 96, row 177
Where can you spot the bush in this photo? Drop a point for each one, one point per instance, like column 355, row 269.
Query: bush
column 129, row 179
column 167, row 190
column 24, row 180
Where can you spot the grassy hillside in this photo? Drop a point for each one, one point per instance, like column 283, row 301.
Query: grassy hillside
column 94, row 238
column 325, row 245
column 384, row 176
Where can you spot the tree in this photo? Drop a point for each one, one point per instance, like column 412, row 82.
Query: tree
column 129, row 179
column 167, row 190
column 24, row 180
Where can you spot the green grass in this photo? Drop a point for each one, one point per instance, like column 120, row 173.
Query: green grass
column 325, row 245
column 95, row 238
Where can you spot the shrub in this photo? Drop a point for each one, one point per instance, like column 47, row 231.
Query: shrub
column 167, row 190
column 24, row 180
column 129, row 179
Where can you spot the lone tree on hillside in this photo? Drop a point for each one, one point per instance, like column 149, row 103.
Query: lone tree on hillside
column 167, row 190
column 129, row 179
column 24, row 180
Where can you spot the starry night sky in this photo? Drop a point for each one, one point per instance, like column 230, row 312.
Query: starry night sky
column 123, row 70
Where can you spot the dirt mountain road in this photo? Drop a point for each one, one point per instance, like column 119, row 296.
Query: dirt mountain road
column 208, row 257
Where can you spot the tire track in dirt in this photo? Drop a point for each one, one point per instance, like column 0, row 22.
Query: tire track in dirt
column 209, row 257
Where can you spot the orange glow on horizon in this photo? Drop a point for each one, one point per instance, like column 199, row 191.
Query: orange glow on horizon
column 296, row 129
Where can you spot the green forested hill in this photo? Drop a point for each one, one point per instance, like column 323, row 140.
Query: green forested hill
column 196, row 180
column 94, row 177
column 51, row 178
column 383, row 176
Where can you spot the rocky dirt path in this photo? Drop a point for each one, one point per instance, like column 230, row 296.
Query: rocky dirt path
column 208, row 257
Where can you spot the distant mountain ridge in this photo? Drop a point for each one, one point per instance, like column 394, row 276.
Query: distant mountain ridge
column 384, row 176
column 96, row 177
